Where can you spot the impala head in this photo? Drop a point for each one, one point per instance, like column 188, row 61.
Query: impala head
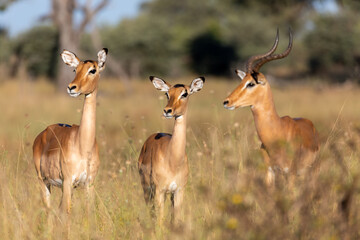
column 177, row 95
column 87, row 72
column 253, row 85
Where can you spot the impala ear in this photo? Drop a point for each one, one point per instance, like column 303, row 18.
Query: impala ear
column 160, row 84
column 258, row 78
column 240, row 73
column 102, row 58
column 70, row 58
column 197, row 84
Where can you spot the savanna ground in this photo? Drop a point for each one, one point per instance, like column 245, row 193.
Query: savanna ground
column 226, row 196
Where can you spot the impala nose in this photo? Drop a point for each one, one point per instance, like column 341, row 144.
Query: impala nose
column 72, row 90
column 71, row 87
column 226, row 102
column 167, row 111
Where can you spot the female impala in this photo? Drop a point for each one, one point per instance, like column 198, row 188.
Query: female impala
column 68, row 156
column 287, row 143
column 163, row 165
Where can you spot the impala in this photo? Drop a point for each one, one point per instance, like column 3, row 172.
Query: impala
column 288, row 144
column 163, row 164
column 67, row 156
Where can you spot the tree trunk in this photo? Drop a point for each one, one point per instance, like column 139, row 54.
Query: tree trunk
column 63, row 19
column 112, row 63
column 69, row 36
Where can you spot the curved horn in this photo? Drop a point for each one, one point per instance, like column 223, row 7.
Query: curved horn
column 276, row 56
column 252, row 59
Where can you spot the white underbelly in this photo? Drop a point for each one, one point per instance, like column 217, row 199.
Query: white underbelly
column 172, row 187
column 56, row 182
column 76, row 180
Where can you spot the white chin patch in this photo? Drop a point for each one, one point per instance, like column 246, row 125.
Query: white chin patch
column 74, row 94
column 168, row 116
column 229, row 108
column 179, row 117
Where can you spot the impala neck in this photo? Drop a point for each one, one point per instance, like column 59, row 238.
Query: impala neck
column 87, row 125
column 178, row 142
column 267, row 121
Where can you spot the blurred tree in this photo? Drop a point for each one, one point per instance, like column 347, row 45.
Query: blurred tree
column 38, row 48
column 333, row 46
column 349, row 4
column 5, row 3
column 69, row 34
column 212, row 37
column 209, row 55
column 247, row 27
column 5, row 45
column 5, row 52
column 142, row 46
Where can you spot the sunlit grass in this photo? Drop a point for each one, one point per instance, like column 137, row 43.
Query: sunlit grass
column 226, row 197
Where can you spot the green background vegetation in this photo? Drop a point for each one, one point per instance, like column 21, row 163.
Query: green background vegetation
column 173, row 38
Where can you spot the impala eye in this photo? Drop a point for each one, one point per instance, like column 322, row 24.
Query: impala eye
column 184, row 95
column 74, row 70
column 93, row 71
column 250, row 85
column 167, row 95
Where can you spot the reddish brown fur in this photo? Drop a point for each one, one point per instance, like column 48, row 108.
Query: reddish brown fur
column 287, row 143
column 67, row 156
column 163, row 164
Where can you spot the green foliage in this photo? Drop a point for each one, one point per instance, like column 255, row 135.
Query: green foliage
column 168, row 37
column 141, row 45
column 209, row 55
column 176, row 38
column 350, row 4
column 5, row 3
column 39, row 49
column 273, row 6
column 5, row 46
column 333, row 46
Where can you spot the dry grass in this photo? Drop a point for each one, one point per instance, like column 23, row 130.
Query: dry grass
column 226, row 197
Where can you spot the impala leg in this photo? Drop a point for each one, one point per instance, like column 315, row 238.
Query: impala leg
column 149, row 199
column 270, row 176
column 91, row 208
column 177, row 200
column 149, row 191
column 45, row 193
column 160, row 200
column 65, row 206
column 147, row 188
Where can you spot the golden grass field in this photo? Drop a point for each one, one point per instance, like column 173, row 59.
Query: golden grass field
column 226, row 196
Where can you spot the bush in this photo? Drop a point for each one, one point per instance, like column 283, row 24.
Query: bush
column 5, row 46
column 209, row 55
column 39, row 49
column 332, row 47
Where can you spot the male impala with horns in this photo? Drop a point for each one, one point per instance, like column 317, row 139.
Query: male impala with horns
column 288, row 144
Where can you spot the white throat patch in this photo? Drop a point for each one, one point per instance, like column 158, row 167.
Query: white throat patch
column 173, row 186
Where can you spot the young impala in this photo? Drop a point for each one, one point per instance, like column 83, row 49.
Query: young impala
column 163, row 164
column 288, row 144
column 67, row 156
